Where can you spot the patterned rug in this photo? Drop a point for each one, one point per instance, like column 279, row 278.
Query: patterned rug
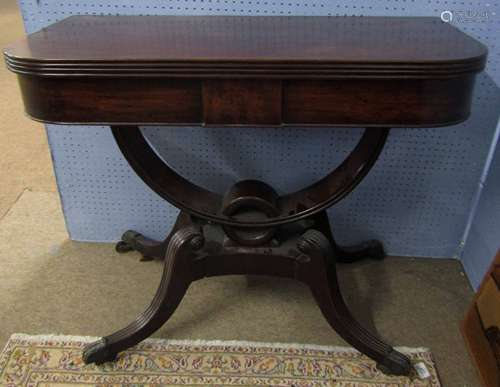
column 45, row 361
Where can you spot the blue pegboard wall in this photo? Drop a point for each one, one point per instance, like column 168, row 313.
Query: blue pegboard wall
column 416, row 199
column 482, row 239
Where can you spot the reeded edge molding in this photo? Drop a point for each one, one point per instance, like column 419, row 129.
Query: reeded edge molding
column 243, row 68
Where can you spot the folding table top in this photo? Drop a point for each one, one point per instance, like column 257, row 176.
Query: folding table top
column 352, row 44
column 420, row 59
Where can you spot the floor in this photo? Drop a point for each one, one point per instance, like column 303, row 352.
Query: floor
column 49, row 284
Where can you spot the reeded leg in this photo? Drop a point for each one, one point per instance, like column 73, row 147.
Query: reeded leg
column 177, row 275
column 149, row 248
column 321, row 276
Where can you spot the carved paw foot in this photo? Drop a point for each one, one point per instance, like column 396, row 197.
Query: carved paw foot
column 128, row 242
column 133, row 241
column 98, row 353
column 371, row 249
column 395, row 364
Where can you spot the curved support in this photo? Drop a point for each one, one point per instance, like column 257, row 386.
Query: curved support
column 179, row 259
column 341, row 181
column 161, row 178
column 207, row 205
column 321, row 276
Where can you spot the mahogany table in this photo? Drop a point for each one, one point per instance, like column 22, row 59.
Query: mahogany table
column 126, row 71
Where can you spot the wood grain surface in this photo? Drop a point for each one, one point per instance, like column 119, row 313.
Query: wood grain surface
column 247, row 70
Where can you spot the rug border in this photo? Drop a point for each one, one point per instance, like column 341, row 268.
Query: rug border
column 212, row 342
column 28, row 338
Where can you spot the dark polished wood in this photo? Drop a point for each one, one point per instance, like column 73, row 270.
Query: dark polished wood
column 204, row 250
column 328, row 71
column 372, row 72
column 169, row 101
column 252, row 233
column 94, row 100
column 117, row 44
column 177, row 275
column 241, row 102
column 381, row 102
column 209, row 205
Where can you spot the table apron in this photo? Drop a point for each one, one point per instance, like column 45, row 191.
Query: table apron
column 404, row 102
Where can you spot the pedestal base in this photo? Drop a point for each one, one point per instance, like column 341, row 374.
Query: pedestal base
column 304, row 250
column 250, row 230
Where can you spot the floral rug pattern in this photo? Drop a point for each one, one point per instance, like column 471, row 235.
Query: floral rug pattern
column 45, row 361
